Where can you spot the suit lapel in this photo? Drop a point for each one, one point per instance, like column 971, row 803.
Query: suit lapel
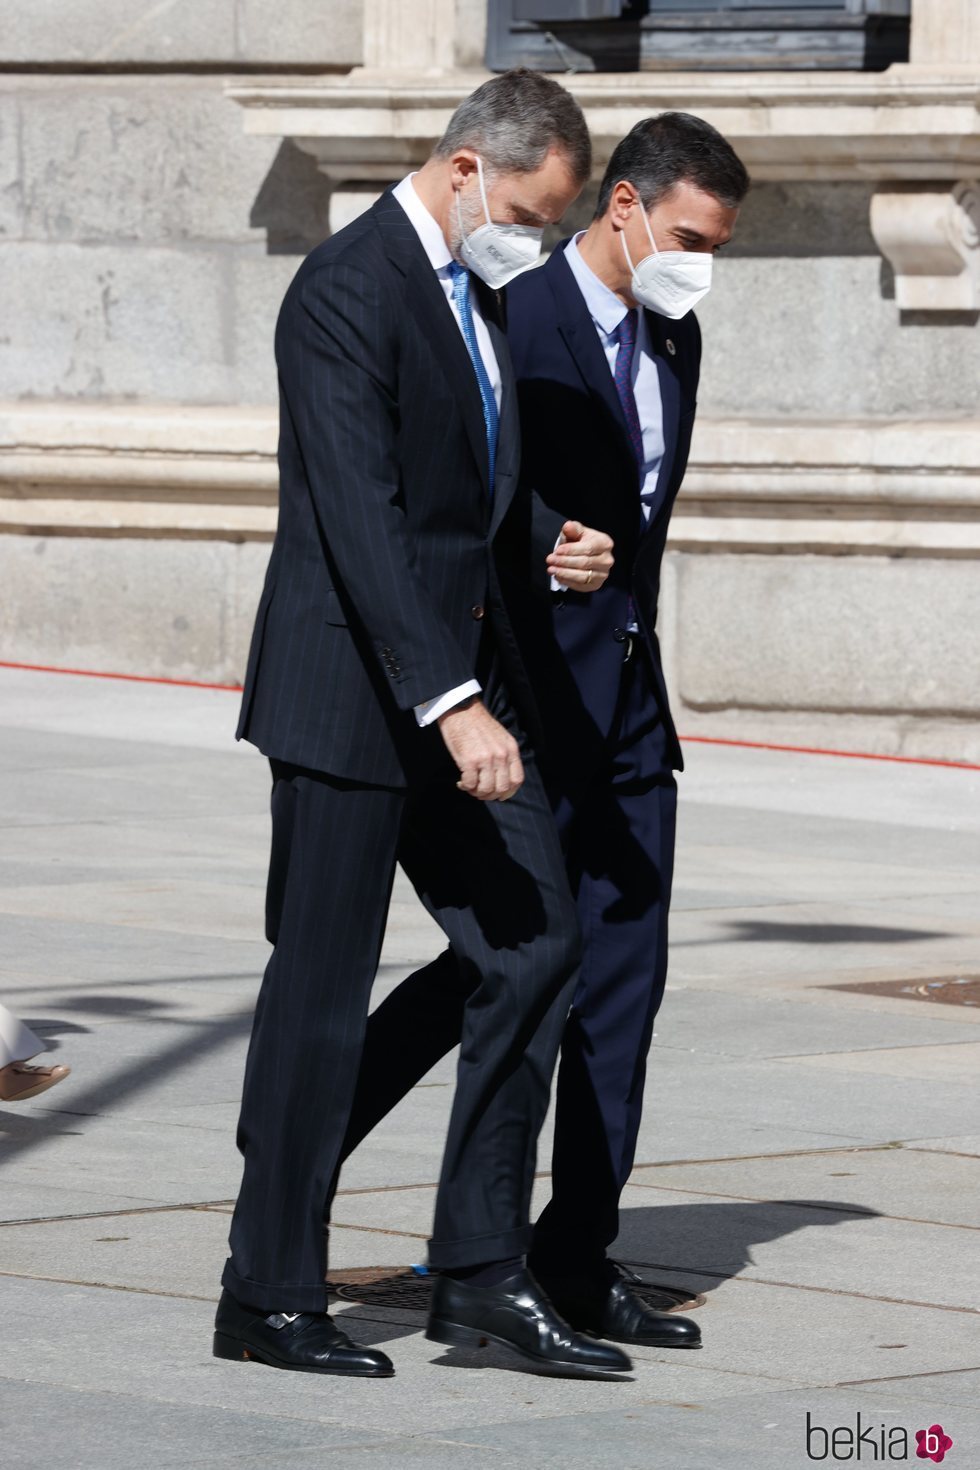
column 509, row 432
column 578, row 332
column 427, row 302
column 582, row 340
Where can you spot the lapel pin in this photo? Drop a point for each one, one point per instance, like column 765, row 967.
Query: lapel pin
column 670, row 347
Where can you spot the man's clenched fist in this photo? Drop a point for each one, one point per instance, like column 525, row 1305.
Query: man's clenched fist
column 487, row 756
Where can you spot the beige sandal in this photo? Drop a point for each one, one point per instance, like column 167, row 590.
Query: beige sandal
column 18, row 1081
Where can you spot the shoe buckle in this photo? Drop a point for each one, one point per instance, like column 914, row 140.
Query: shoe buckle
column 279, row 1320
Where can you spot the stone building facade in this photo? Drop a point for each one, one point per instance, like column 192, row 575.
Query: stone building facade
column 163, row 168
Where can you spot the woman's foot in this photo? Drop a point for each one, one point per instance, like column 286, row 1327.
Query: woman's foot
column 18, row 1081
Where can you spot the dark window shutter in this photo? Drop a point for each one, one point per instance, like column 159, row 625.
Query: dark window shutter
column 551, row 12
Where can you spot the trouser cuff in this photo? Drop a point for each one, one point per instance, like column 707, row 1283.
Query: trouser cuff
column 271, row 1298
column 476, row 1250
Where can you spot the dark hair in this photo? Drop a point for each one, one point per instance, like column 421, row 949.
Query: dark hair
column 514, row 120
column 672, row 148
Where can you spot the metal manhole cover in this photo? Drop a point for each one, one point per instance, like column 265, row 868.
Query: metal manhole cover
column 378, row 1286
column 951, row 990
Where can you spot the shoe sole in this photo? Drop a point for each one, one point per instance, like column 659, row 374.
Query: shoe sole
column 454, row 1334
column 34, row 1091
column 235, row 1351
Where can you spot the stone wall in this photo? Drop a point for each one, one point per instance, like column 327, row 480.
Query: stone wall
column 821, row 582
column 135, row 34
column 145, row 242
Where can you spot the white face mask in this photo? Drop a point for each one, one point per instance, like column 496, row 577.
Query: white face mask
column 671, row 282
column 497, row 253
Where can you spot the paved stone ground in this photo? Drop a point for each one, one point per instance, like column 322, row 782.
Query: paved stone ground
column 809, row 1161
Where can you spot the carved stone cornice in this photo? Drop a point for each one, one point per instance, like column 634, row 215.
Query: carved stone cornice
column 870, row 487
column 906, row 123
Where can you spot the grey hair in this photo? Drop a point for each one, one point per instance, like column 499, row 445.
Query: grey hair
column 514, row 120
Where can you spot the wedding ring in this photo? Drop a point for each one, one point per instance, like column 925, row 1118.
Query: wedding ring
column 589, row 577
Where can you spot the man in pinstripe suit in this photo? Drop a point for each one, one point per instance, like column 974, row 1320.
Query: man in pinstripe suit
column 384, row 686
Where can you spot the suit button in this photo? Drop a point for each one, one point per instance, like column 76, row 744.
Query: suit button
column 619, row 634
column 477, row 612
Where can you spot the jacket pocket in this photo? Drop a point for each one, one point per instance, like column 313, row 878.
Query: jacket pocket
column 334, row 613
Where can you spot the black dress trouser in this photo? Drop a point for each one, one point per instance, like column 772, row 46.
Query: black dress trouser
column 616, row 815
column 492, row 875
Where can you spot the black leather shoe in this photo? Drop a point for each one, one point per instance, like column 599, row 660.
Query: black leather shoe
column 611, row 1308
column 307, row 1342
column 518, row 1315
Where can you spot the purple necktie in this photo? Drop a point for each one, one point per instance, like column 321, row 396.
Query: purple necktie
column 625, row 335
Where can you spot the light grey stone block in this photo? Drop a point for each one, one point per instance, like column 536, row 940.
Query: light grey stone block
column 11, row 184
column 116, row 30
column 258, row 286
column 817, row 337
column 158, row 160
column 92, row 321
column 176, row 31
column 179, row 609
column 298, row 31
column 828, row 633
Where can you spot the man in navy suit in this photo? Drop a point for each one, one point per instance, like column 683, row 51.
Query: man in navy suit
column 606, row 351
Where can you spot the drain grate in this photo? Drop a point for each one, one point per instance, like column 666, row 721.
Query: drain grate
column 952, row 990
column 380, row 1287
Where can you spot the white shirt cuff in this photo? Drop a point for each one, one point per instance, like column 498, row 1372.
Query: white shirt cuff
column 430, row 709
column 557, row 586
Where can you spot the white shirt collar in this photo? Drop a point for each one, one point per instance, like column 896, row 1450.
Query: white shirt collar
column 605, row 307
column 428, row 231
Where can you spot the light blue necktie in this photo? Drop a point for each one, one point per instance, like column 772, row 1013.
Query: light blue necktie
column 461, row 296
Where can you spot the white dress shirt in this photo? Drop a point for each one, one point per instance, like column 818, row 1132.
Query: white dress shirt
column 435, row 247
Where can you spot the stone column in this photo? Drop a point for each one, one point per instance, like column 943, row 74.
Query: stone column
column 945, row 33
column 404, row 41
column 416, row 37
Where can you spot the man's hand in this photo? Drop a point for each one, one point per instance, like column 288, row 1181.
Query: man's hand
column 488, row 758
column 583, row 561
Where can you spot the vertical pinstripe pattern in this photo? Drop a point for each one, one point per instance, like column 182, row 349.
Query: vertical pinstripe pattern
column 385, row 542
column 386, row 548
column 609, row 746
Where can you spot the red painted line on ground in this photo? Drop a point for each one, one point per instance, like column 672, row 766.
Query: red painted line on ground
column 128, row 678
column 850, row 755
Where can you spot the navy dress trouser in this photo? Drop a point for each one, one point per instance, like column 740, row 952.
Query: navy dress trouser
column 492, row 875
column 617, row 825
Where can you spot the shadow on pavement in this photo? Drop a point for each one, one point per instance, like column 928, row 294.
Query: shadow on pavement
column 708, row 1244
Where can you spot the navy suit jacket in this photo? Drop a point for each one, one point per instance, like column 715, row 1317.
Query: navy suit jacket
column 578, row 462
column 389, row 556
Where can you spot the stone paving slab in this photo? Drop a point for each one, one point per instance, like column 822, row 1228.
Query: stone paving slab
column 807, row 1244
column 734, row 1025
column 925, row 1186
column 135, row 838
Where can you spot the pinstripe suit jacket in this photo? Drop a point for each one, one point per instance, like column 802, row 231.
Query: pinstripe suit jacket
column 389, row 544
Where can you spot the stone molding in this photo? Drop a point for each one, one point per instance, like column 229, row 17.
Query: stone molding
column 931, row 238
column 905, row 123
column 869, row 487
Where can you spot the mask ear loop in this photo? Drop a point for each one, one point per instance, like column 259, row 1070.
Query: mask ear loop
column 483, row 191
column 646, row 221
column 622, row 236
column 483, row 194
